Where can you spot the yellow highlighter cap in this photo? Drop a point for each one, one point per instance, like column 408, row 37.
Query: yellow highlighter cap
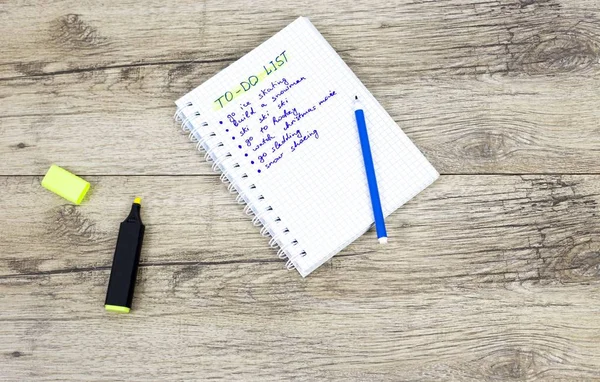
column 65, row 184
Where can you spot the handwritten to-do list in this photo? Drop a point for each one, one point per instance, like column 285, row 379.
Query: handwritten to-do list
column 280, row 124
column 267, row 122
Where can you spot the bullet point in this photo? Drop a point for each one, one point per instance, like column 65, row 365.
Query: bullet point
column 221, row 122
column 233, row 138
column 226, row 130
column 246, row 154
column 240, row 146
column 259, row 171
column 251, row 162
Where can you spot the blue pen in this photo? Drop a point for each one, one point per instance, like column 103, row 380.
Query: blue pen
column 370, row 169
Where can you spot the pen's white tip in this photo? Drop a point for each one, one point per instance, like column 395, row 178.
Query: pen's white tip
column 382, row 240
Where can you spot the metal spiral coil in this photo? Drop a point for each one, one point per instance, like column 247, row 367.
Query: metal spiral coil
column 206, row 142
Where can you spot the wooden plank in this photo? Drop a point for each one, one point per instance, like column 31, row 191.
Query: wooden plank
column 486, row 277
column 118, row 121
column 257, row 322
column 490, row 219
column 456, row 37
column 481, row 87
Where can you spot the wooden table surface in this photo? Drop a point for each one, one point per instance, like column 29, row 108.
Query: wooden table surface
column 493, row 273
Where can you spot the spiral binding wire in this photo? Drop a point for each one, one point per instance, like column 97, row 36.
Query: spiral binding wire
column 186, row 115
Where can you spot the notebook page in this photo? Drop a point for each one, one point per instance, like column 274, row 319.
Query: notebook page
column 285, row 113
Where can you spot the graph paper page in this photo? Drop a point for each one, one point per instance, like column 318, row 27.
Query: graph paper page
column 286, row 136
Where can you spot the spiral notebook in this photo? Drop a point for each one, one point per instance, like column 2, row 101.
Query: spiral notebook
column 279, row 125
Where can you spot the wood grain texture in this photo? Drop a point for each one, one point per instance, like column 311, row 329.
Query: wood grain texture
column 487, row 278
column 507, row 86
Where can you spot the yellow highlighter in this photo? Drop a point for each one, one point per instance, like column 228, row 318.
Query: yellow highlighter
column 119, row 294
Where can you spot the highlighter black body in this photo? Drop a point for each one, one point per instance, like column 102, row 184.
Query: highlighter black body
column 125, row 261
